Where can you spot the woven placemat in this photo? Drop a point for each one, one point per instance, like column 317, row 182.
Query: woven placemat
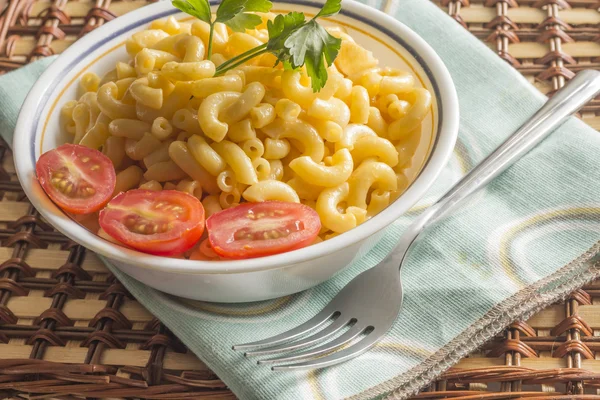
column 68, row 329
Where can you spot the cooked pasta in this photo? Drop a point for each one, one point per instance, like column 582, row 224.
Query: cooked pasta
column 257, row 133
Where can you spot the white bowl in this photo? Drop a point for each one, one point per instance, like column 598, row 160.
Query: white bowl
column 245, row 280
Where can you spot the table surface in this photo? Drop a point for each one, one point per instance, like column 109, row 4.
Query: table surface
column 63, row 316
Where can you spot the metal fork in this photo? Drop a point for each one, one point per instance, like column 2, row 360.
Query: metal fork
column 368, row 306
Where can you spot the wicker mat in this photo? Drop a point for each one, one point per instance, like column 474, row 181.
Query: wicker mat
column 69, row 330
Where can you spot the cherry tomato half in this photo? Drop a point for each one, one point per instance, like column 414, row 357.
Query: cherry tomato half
column 162, row 223
column 262, row 229
column 78, row 179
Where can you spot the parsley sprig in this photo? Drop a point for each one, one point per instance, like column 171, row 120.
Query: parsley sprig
column 293, row 40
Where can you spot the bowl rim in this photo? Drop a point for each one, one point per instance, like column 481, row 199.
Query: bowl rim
column 438, row 158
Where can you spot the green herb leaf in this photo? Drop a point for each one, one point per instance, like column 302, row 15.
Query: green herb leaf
column 312, row 45
column 258, row 6
column 279, row 29
column 236, row 13
column 196, row 8
column 287, row 65
column 330, row 8
column 243, row 21
column 229, row 9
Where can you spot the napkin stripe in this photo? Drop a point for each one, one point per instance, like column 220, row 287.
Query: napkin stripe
column 509, row 265
column 391, row 6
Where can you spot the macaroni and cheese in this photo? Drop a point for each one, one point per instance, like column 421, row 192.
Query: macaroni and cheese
column 257, row 133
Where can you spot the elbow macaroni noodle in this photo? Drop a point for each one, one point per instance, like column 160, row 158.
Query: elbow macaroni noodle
column 257, row 133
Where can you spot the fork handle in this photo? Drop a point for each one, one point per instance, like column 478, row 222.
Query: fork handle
column 574, row 95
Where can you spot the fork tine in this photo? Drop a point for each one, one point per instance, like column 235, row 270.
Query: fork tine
column 339, row 323
column 313, row 323
column 352, row 333
column 338, row 357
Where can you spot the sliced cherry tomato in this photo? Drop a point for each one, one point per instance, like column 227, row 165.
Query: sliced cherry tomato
column 162, row 223
column 78, row 179
column 262, row 229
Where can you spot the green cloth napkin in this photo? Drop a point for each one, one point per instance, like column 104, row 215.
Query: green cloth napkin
column 503, row 256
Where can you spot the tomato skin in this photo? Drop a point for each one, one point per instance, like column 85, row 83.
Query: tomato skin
column 262, row 229
column 176, row 232
column 80, row 169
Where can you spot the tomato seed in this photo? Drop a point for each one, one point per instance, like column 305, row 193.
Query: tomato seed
column 284, row 231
